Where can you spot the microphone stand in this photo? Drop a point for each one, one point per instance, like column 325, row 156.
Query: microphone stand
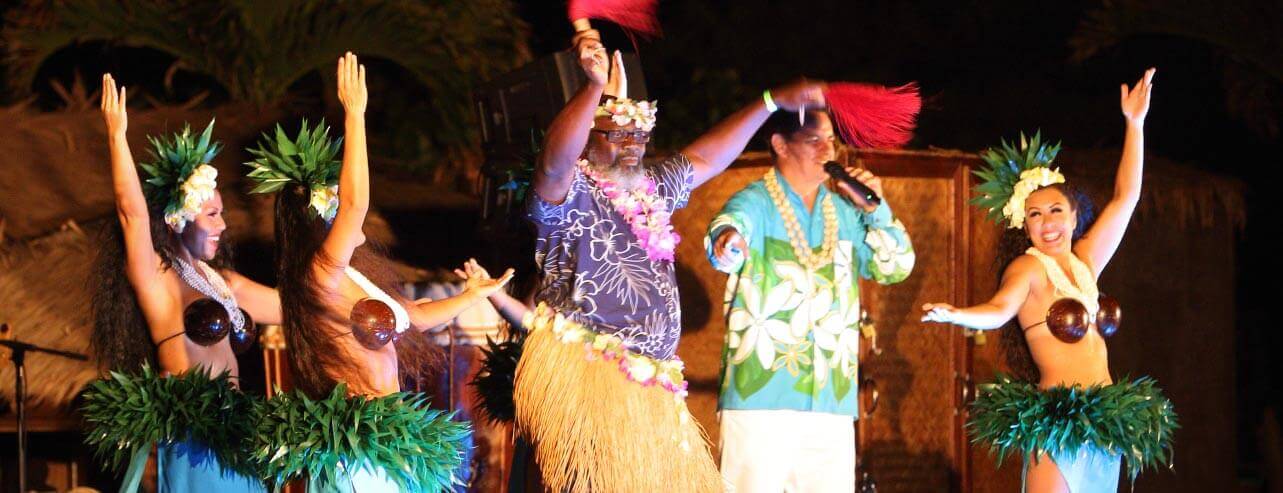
column 18, row 354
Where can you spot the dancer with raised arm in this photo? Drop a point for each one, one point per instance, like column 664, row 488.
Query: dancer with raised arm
column 599, row 389
column 167, row 297
column 1076, row 424
column 349, row 333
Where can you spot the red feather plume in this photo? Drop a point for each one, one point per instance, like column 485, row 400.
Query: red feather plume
column 874, row 116
column 634, row 15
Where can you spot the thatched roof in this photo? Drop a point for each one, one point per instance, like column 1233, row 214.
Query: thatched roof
column 1174, row 192
column 54, row 167
column 46, row 303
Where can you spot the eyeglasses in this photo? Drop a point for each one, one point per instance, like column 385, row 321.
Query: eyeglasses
column 621, row 136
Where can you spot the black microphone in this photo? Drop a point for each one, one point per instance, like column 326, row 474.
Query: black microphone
column 838, row 172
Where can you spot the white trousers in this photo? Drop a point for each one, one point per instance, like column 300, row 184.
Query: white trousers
column 773, row 451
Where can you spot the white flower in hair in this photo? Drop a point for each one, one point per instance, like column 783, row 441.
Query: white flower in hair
column 1030, row 180
column 624, row 112
column 325, row 201
column 198, row 188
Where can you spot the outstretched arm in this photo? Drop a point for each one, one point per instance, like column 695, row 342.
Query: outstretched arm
column 1101, row 241
column 131, row 205
column 426, row 314
column 568, row 134
column 354, row 180
column 714, row 151
column 992, row 314
column 262, row 303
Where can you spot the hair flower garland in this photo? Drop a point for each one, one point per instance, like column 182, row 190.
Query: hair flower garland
column 179, row 175
column 1011, row 174
column 624, row 112
column 309, row 159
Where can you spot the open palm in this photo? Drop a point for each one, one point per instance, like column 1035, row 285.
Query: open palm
column 1135, row 101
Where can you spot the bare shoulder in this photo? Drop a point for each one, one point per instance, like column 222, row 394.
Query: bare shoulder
column 1025, row 268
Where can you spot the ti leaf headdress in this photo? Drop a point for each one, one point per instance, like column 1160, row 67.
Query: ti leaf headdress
column 309, row 159
column 1012, row 174
column 179, row 174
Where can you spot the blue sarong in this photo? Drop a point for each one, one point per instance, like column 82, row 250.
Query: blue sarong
column 189, row 467
column 1090, row 470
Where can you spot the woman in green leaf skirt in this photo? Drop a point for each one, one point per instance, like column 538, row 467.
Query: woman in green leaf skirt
column 165, row 298
column 348, row 332
column 1074, row 427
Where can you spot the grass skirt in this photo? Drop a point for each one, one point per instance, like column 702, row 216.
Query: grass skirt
column 603, row 418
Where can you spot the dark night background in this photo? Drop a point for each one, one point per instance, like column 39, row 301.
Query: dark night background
column 988, row 69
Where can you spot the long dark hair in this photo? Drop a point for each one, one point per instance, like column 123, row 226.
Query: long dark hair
column 121, row 339
column 1011, row 245
column 315, row 354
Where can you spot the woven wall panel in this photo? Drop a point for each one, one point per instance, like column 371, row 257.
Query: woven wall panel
column 907, row 444
column 702, row 289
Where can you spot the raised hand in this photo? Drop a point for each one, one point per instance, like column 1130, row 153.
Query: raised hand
column 800, row 95
column 113, row 107
column 471, row 269
column 351, row 80
column 592, row 56
column 1135, row 101
column 618, row 84
column 939, row 312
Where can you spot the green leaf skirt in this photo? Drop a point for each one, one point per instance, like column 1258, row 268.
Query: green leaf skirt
column 278, row 439
column 1131, row 418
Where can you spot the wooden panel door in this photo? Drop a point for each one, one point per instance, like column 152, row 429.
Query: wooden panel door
column 914, row 441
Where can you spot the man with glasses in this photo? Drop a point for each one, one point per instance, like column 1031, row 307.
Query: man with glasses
column 793, row 248
column 599, row 387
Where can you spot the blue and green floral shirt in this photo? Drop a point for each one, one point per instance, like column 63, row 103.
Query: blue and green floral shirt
column 793, row 337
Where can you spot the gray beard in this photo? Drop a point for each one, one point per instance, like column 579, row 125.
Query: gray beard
column 631, row 178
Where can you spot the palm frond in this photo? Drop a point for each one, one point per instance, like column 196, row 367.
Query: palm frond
column 258, row 50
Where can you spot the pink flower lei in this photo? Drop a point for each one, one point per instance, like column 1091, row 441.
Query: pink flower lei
column 645, row 213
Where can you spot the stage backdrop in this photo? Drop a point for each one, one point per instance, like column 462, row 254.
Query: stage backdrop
column 1173, row 275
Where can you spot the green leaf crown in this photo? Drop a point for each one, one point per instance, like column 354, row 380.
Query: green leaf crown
column 1003, row 168
column 173, row 160
column 309, row 159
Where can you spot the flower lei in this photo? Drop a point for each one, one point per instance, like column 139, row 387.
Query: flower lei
column 801, row 248
column 624, row 111
column 198, row 188
column 639, row 368
column 644, row 212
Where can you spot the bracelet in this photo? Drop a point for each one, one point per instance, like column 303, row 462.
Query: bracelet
column 770, row 103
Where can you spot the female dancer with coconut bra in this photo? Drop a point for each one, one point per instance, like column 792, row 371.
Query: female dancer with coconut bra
column 1049, row 286
column 166, row 297
column 345, row 330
